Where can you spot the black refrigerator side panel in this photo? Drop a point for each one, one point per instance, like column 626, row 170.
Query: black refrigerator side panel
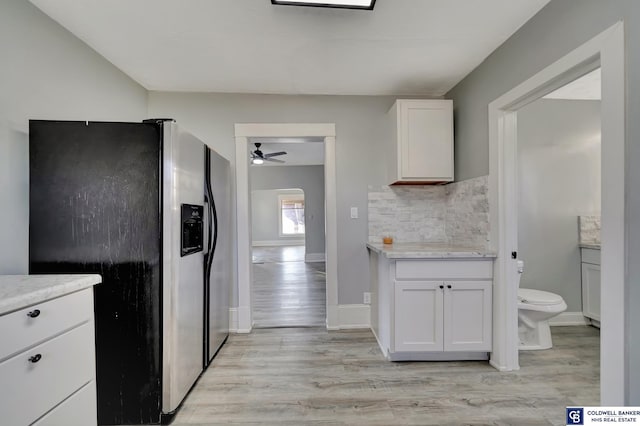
column 95, row 208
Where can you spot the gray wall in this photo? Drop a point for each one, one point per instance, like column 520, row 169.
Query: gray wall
column 557, row 29
column 559, row 180
column 359, row 123
column 46, row 73
column 265, row 217
column 308, row 178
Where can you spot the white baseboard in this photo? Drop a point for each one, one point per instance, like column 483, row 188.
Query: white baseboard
column 332, row 318
column 233, row 320
column 568, row 318
column 277, row 243
column 354, row 316
column 314, row 257
column 349, row 317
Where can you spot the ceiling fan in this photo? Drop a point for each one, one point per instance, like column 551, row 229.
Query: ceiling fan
column 258, row 157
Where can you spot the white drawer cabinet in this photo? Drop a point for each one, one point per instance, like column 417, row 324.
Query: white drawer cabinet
column 47, row 357
column 591, row 283
column 432, row 309
column 33, row 324
column 422, row 141
column 443, row 269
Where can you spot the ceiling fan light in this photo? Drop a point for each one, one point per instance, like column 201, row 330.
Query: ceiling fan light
column 257, row 161
column 341, row 4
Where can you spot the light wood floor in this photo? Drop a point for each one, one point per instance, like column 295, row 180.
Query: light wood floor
column 286, row 290
column 300, row 376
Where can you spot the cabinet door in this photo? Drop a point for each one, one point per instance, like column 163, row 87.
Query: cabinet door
column 467, row 316
column 77, row 410
column 591, row 291
column 418, row 316
column 426, row 140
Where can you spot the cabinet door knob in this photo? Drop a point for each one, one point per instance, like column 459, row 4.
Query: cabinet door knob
column 441, row 286
column 35, row 358
column 34, row 313
column 449, row 286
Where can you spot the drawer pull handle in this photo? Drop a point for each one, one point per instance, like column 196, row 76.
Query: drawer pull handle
column 34, row 313
column 35, row 358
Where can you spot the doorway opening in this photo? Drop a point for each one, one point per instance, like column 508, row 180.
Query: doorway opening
column 288, row 234
column 558, row 172
column 607, row 52
column 246, row 137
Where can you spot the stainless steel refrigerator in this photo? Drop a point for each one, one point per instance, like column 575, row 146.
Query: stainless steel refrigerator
column 146, row 205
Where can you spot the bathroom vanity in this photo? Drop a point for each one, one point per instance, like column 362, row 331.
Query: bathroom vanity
column 590, row 264
column 431, row 302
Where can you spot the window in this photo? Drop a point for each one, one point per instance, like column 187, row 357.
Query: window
column 291, row 214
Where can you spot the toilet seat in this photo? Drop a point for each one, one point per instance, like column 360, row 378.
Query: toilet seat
column 538, row 297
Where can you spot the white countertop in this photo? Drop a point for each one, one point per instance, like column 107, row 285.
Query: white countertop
column 594, row 246
column 428, row 251
column 19, row 291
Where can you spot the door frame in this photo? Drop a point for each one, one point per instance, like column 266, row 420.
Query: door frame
column 243, row 133
column 607, row 51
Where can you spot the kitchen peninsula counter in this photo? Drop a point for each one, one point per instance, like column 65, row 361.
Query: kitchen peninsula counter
column 431, row 302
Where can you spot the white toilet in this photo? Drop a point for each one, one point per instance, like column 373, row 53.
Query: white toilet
column 535, row 308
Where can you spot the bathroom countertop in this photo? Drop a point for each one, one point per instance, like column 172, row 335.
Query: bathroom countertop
column 594, row 246
column 429, row 251
column 19, row 291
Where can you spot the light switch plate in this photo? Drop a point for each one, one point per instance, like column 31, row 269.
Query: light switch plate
column 354, row 212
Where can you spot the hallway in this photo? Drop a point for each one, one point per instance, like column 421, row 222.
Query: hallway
column 287, row 292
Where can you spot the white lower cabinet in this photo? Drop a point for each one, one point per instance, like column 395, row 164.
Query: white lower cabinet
column 591, row 283
column 591, row 291
column 432, row 309
column 442, row 316
column 47, row 367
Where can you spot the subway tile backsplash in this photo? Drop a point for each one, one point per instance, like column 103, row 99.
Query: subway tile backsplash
column 456, row 214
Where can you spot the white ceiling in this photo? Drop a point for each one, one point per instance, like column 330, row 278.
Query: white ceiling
column 585, row 88
column 402, row 47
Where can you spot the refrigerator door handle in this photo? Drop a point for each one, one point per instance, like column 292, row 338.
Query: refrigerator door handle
column 212, row 229
column 206, row 226
column 214, row 215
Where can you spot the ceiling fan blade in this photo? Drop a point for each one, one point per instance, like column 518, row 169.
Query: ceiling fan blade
column 273, row 154
column 274, row 160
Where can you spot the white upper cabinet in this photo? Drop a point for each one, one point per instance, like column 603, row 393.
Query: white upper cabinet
column 422, row 145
